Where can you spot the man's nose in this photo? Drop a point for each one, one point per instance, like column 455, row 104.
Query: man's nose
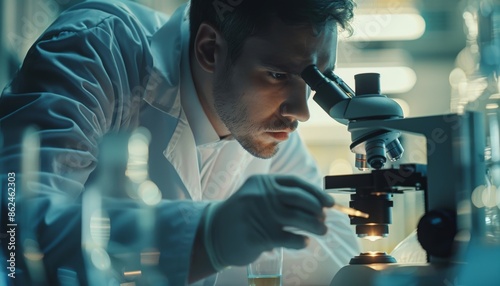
column 295, row 106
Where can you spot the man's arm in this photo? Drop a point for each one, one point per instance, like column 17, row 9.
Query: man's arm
column 200, row 266
column 76, row 84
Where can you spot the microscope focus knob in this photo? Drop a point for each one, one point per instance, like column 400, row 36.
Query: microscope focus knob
column 436, row 232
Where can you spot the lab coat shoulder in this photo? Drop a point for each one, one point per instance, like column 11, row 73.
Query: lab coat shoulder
column 93, row 13
column 95, row 57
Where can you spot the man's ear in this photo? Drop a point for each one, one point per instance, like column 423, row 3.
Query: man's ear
column 207, row 46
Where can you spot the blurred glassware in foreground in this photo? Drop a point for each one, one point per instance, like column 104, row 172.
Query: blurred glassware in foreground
column 491, row 195
column 475, row 86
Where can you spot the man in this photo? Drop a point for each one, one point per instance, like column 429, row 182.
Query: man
column 218, row 85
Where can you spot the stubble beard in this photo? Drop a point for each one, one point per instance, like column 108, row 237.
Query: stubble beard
column 234, row 114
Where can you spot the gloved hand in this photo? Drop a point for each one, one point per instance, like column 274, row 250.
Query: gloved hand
column 239, row 229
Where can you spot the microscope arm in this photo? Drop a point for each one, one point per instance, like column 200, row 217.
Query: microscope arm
column 448, row 153
column 455, row 161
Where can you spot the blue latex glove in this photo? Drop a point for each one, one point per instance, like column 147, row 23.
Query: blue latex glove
column 252, row 220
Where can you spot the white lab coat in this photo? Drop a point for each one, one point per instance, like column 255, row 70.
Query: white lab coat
column 130, row 59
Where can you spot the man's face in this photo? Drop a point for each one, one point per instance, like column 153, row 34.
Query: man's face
column 261, row 96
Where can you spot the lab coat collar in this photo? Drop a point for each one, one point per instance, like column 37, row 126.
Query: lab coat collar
column 171, row 77
column 162, row 87
column 163, row 93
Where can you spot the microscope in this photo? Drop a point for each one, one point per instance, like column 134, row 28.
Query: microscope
column 455, row 167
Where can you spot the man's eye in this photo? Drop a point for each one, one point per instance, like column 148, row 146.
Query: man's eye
column 277, row 76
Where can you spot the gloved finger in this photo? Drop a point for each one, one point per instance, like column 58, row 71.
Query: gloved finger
column 298, row 198
column 291, row 240
column 293, row 181
column 302, row 220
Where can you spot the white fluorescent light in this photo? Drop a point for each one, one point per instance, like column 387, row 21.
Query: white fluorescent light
column 491, row 106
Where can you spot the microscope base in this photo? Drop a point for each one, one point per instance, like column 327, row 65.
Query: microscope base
column 396, row 274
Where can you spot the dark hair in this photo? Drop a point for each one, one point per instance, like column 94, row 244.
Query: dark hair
column 238, row 19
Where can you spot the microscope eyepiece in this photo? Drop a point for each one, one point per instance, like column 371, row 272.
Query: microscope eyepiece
column 313, row 77
column 367, row 83
column 328, row 92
